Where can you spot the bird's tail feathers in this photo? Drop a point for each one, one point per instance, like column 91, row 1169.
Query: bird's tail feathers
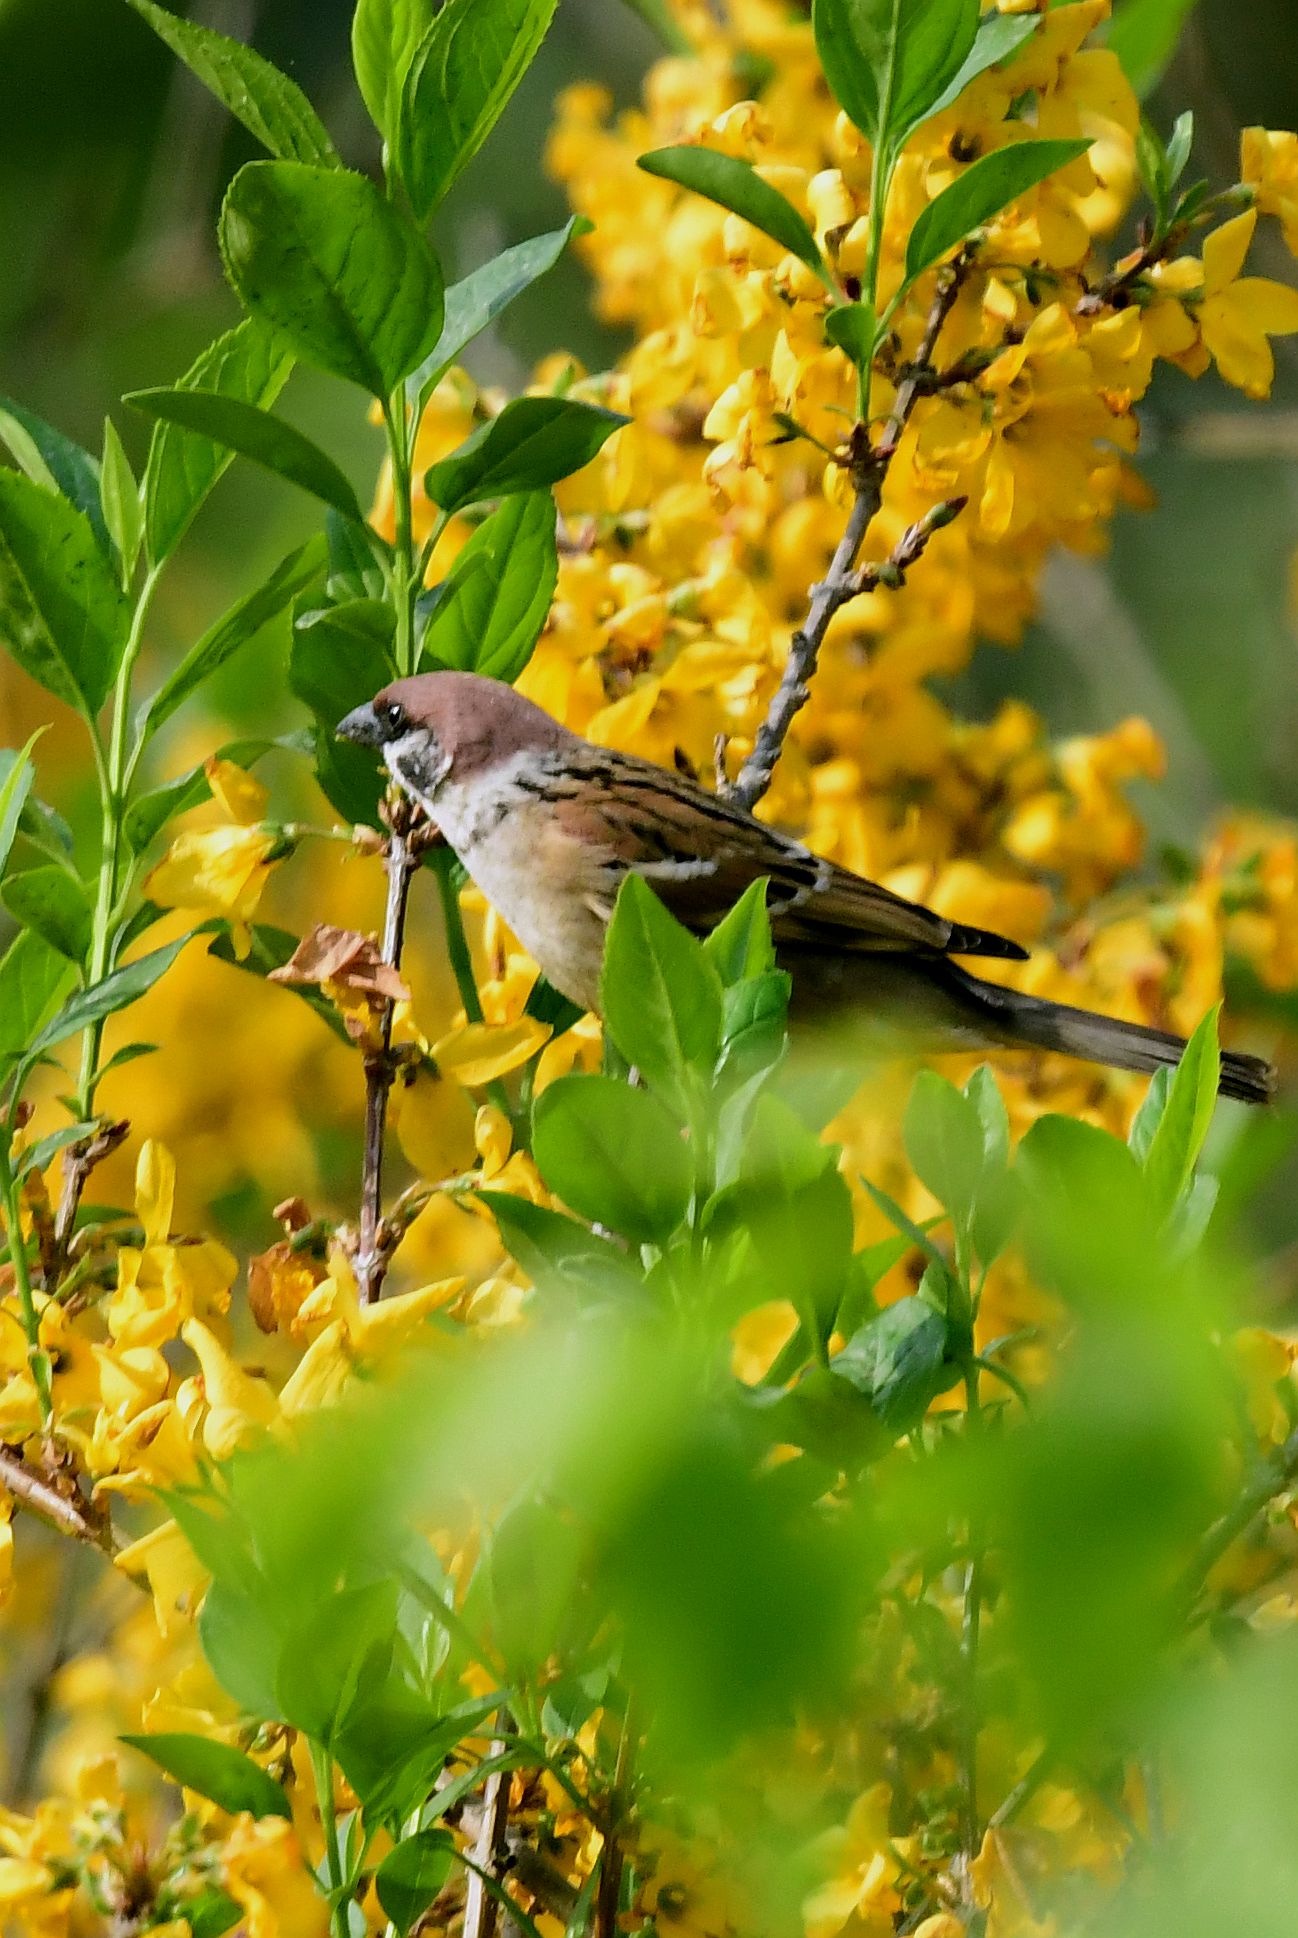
column 1122, row 1046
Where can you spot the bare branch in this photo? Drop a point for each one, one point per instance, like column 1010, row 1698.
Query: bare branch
column 867, row 465
column 409, row 834
column 479, row 1905
column 58, row 1502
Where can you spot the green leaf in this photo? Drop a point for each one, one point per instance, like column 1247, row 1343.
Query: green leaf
column 986, row 187
column 116, row 991
column 1150, row 1115
column 1000, row 36
column 62, row 614
column 37, row 1156
column 889, row 62
column 1186, row 1120
column 497, row 598
column 533, row 443
column 33, row 980
column 120, row 499
column 242, row 623
column 559, row 1255
column 253, row 433
column 326, row 1654
column 324, row 257
column 1179, row 147
column 241, row 1649
column 466, row 68
column 15, row 787
column 331, row 669
column 412, row 1874
column 250, row 365
column 854, row 329
column 385, row 37
column 944, row 1142
column 898, row 1361
column 1144, row 35
column 478, row 299
column 660, row 995
column 212, row 1913
column 49, row 901
column 271, row 106
column 50, row 459
column 740, row 946
column 614, row 1154
column 737, row 186
column 215, row 1770
column 983, row 1092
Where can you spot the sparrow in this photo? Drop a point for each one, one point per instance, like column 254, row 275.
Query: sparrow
column 548, row 826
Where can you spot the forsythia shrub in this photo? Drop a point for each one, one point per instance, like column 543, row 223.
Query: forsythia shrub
column 765, row 1504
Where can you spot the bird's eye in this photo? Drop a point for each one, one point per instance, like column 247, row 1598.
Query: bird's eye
column 395, row 715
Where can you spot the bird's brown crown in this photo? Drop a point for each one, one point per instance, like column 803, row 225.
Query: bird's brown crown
column 477, row 722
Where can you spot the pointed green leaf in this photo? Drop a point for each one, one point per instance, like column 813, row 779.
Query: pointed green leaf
column 52, row 903
column 478, row 299
column 466, row 68
column 740, row 946
column 120, row 499
column 890, row 61
column 614, row 1154
column 986, row 187
column 242, row 623
column 50, row 459
column 737, row 186
column 256, row 434
column 33, row 980
column 15, row 786
column 215, row 1770
column 248, row 364
column 999, row 38
column 1150, row 1115
column 116, row 991
column 323, row 256
column 854, row 328
column 898, row 1361
column 38, row 1156
column 62, row 614
column 386, row 34
column 1178, row 1139
column 269, row 104
column 498, row 596
column 533, row 443
column 660, row 995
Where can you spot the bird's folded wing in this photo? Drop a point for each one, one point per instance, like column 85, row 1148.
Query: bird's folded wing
column 699, row 855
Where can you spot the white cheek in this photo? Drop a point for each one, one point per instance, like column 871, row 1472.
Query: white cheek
column 417, row 764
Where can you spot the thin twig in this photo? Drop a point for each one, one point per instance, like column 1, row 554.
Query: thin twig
column 1270, row 1478
column 407, row 838
column 79, row 1161
column 479, row 1905
column 69, row 1512
column 867, row 465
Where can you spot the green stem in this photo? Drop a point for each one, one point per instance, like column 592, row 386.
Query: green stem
column 405, row 577
column 457, row 943
column 37, row 1359
column 880, row 181
column 971, row 1633
column 322, row 1770
column 115, row 776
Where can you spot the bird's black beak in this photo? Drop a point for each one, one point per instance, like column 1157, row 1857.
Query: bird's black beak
column 362, row 724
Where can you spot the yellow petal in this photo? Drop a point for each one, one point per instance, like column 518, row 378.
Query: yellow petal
column 321, row 1374
column 480, row 1052
column 433, row 1119
column 1225, row 250
column 155, row 1191
column 1273, row 307
column 237, row 1404
column 1242, row 352
column 242, row 798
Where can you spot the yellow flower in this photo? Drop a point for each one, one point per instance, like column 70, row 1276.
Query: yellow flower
column 865, row 1863
column 682, row 1892
column 1269, row 163
column 222, row 870
column 1239, row 314
column 166, row 1281
column 263, row 1869
column 477, row 1053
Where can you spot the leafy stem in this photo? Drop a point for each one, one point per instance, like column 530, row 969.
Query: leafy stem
column 322, row 1770
column 37, row 1359
column 115, row 776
